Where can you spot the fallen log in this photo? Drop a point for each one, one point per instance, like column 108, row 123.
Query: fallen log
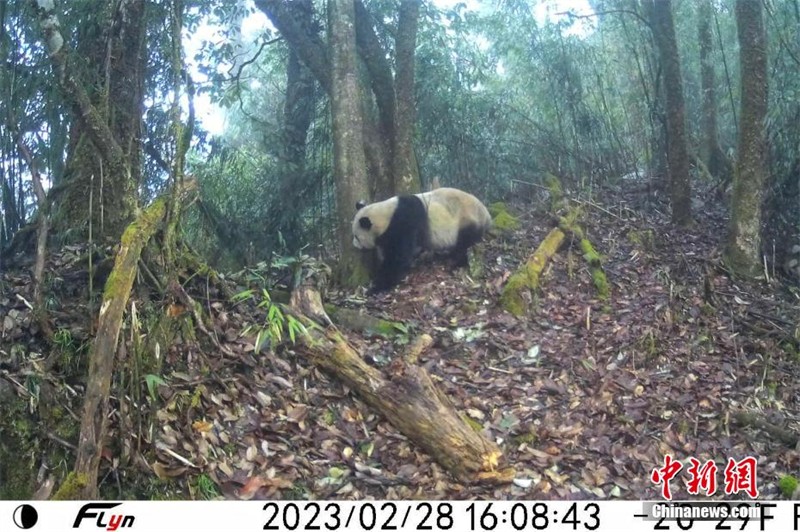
column 343, row 317
column 82, row 482
column 752, row 419
column 517, row 293
column 409, row 400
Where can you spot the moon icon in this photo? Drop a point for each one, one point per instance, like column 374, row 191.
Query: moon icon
column 25, row 516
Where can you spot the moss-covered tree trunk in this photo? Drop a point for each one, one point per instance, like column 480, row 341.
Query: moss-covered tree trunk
column 744, row 233
column 97, row 191
column 348, row 147
column 102, row 356
column 677, row 152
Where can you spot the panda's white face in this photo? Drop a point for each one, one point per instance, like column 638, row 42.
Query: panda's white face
column 363, row 235
column 371, row 221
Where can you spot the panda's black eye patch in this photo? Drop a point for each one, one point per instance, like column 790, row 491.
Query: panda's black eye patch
column 364, row 222
column 360, row 204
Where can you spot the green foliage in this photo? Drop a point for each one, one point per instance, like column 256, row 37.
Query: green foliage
column 788, row 485
column 204, row 488
column 277, row 323
column 70, row 353
column 152, row 381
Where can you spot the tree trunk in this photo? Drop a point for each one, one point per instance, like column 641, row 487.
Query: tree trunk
column 114, row 47
column 348, row 146
column 379, row 131
column 298, row 113
column 406, row 175
column 710, row 151
column 677, row 153
column 380, row 120
column 744, row 234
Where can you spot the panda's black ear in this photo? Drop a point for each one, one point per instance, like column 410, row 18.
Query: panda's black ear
column 364, row 222
column 360, row 204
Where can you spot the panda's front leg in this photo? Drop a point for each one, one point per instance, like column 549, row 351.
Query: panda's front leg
column 390, row 273
column 397, row 257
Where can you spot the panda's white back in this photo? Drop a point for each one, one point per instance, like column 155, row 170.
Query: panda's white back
column 450, row 210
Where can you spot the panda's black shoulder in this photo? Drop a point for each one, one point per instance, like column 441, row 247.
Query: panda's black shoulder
column 410, row 212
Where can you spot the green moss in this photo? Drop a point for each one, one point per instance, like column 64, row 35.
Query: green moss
column 553, row 184
column 528, row 438
column 600, row 283
column 474, row 424
column 496, row 208
column 71, row 488
column 788, row 485
column 513, row 298
column 642, row 239
column 505, row 222
column 590, row 255
column 17, row 442
column 328, row 417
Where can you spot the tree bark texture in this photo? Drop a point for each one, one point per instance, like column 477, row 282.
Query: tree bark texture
column 744, row 236
column 379, row 132
column 104, row 150
column 410, row 401
column 348, row 146
column 94, row 421
column 406, row 176
column 710, row 151
column 677, row 152
column 379, row 115
column 298, row 111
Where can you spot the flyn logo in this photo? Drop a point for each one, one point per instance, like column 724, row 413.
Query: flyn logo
column 111, row 522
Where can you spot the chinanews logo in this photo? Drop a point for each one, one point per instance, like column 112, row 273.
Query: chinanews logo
column 96, row 511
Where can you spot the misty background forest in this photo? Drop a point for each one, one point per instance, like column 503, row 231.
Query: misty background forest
column 183, row 314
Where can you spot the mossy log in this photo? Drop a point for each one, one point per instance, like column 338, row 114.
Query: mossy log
column 751, row 419
column 519, row 287
column 354, row 320
column 409, row 400
column 94, row 419
column 413, row 405
column 358, row 321
column 592, row 258
column 518, row 291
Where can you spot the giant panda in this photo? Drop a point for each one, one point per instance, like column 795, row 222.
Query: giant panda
column 445, row 219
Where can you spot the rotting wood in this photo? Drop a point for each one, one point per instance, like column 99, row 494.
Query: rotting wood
column 94, row 420
column 410, row 401
column 520, row 288
column 752, row 419
column 517, row 291
column 421, row 343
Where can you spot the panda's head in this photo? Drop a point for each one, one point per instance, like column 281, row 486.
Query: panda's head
column 371, row 221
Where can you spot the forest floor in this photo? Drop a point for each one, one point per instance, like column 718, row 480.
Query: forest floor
column 584, row 397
